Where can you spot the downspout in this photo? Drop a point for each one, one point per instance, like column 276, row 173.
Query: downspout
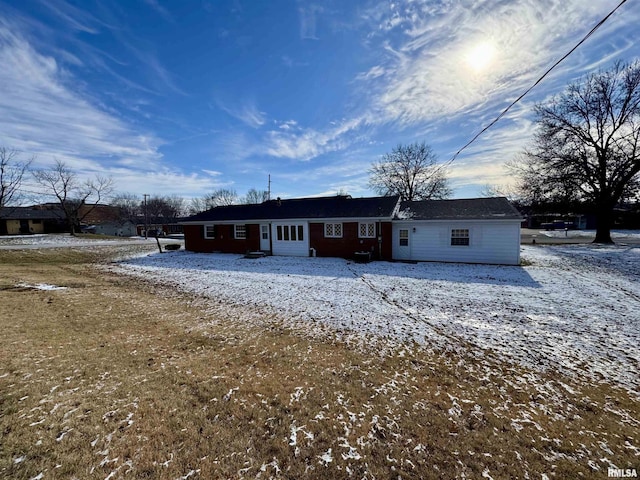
column 379, row 240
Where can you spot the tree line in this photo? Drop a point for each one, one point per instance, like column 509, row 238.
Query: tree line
column 585, row 150
column 77, row 198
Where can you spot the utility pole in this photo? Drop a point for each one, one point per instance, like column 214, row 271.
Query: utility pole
column 269, row 188
column 146, row 217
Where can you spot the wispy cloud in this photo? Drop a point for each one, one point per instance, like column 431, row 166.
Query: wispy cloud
column 427, row 72
column 162, row 11
column 43, row 114
column 145, row 55
column 297, row 143
column 74, row 17
column 166, row 181
column 247, row 112
column 107, row 22
column 308, row 20
column 344, row 172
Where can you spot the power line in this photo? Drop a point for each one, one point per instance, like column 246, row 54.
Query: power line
column 504, row 112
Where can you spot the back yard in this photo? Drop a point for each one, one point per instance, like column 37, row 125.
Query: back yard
column 180, row 365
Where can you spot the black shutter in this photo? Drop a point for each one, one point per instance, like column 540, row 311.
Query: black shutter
column 246, row 231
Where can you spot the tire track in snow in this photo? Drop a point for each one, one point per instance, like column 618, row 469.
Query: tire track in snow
column 452, row 339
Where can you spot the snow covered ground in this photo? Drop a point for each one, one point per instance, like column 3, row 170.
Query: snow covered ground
column 11, row 242
column 573, row 309
column 616, row 235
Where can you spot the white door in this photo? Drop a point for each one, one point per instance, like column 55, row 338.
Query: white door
column 265, row 244
column 290, row 238
column 402, row 244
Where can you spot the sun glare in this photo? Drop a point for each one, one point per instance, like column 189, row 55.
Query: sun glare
column 481, row 56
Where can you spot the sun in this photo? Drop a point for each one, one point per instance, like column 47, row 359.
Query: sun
column 481, row 56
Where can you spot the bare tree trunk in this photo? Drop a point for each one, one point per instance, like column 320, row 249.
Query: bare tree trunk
column 604, row 222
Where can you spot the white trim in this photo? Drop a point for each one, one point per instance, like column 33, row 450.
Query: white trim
column 333, row 229
column 367, row 224
column 243, row 231
column 213, row 236
column 265, row 243
column 461, row 234
column 286, row 231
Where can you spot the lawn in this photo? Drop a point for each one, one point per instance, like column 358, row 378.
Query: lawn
column 179, row 365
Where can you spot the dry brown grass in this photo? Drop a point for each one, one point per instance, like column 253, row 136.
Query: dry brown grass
column 109, row 378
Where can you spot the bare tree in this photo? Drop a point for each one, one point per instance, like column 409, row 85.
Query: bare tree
column 255, row 196
column 587, row 145
column 161, row 210
column 129, row 207
column 77, row 198
column 223, row 197
column 176, row 206
column 507, row 191
column 197, row 205
column 12, row 172
column 411, row 171
column 217, row 198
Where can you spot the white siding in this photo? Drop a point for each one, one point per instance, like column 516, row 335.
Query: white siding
column 496, row 242
column 287, row 247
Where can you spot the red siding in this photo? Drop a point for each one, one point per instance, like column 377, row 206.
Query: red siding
column 225, row 242
column 343, row 247
column 346, row 246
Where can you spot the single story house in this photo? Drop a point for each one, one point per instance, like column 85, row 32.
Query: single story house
column 30, row 220
column 335, row 226
column 484, row 230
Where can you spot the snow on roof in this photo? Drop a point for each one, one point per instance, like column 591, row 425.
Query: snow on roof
column 464, row 208
column 312, row 208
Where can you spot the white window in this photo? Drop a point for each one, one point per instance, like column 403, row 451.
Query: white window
column 460, row 236
column 240, row 232
column 404, row 237
column 333, row 230
column 367, row 230
column 290, row 233
column 209, row 231
column 264, row 229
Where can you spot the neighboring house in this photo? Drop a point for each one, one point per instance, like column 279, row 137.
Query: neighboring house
column 30, row 220
column 105, row 220
column 484, row 230
column 478, row 230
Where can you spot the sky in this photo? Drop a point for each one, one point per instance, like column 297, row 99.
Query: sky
column 186, row 97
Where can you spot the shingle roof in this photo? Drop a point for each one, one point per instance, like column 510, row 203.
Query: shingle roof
column 340, row 206
column 463, row 209
column 30, row 213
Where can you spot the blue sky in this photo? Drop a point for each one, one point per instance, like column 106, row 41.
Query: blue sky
column 184, row 97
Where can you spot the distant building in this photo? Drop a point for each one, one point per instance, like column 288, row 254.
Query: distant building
column 31, row 220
